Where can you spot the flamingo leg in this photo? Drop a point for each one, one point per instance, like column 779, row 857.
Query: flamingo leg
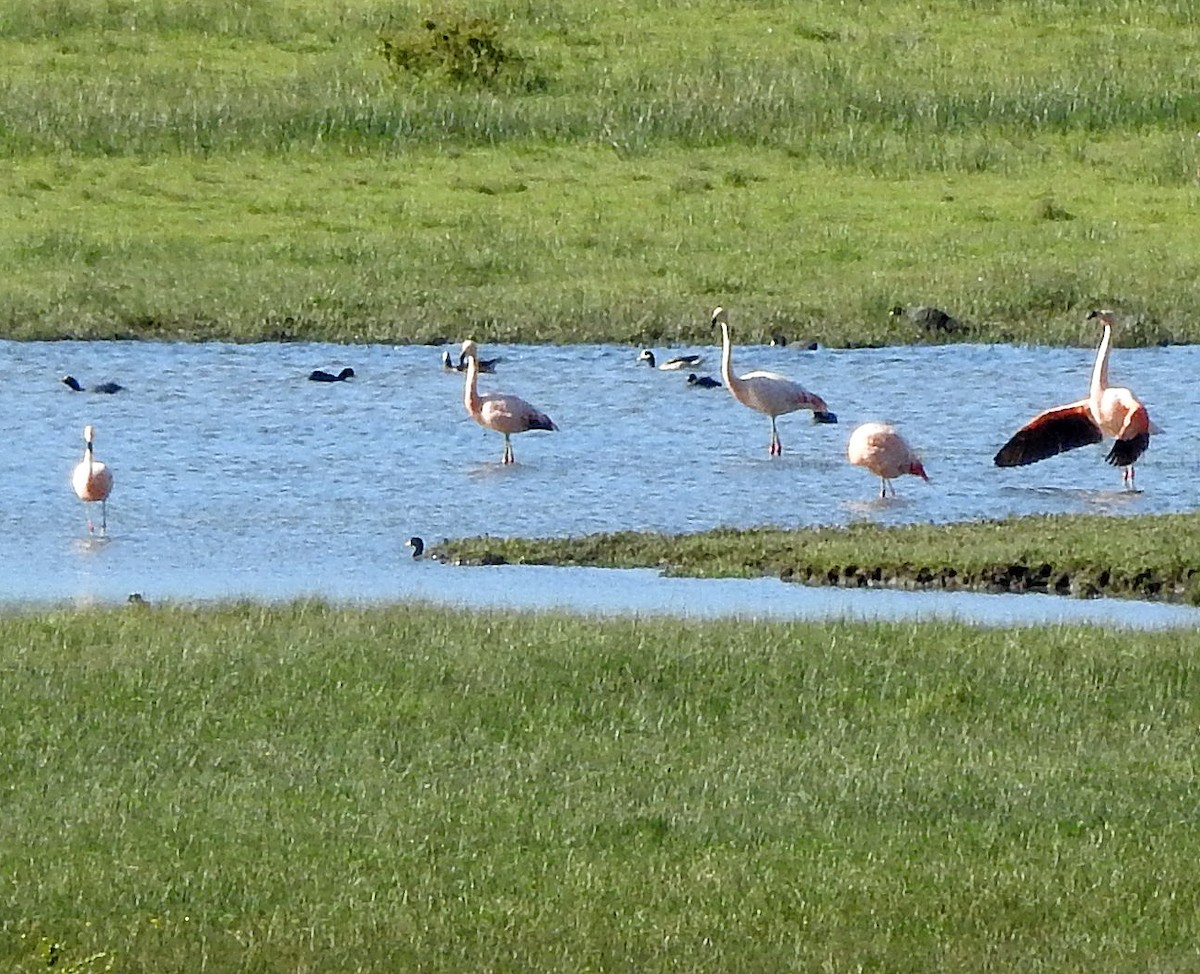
column 776, row 448
column 508, row 450
column 104, row 517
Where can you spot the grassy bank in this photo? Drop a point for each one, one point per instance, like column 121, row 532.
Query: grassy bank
column 1155, row 557
column 304, row 788
column 188, row 171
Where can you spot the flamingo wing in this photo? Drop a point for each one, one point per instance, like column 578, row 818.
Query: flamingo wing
column 1133, row 439
column 512, row 414
column 1050, row 433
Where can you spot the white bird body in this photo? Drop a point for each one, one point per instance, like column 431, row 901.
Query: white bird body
column 881, row 450
column 497, row 411
column 767, row 392
column 91, row 479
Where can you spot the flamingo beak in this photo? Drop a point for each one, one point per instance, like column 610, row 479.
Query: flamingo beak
column 824, row 416
column 917, row 470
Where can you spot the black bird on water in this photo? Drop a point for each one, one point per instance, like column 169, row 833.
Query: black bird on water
column 485, row 364
column 320, row 376
column 702, row 381
column 417, row 545
column 106, row 388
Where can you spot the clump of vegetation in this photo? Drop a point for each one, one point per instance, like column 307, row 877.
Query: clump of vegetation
column 1046, row 208
column 455, row 48
column 1058, row 554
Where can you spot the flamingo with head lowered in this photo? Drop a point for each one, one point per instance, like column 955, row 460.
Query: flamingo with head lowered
column 884, row 452
column 1107, row 411
column 767, row 392
column 502, row 413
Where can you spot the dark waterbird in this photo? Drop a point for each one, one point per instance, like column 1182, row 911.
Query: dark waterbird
column 702, row 381
column 485, row 364
column 321, row 376
column 931, row 319
column 105, row 388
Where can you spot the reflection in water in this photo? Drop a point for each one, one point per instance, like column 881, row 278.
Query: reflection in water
column 236, row 475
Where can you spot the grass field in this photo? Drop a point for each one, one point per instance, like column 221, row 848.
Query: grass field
column 195, row 170
column 1152, row 556
column 305, row 788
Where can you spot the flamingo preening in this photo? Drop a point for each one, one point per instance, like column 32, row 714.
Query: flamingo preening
column 502, row 413
column 767, row 392
column 92, row 480
column 884, row 452
column 1107, row 411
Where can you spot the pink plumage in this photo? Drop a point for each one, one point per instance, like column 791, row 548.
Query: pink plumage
column 92, row 480
column 880, row 449
column 503, row 413
column 767, row 392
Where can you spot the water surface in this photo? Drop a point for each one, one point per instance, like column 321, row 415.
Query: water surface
column 235, row 475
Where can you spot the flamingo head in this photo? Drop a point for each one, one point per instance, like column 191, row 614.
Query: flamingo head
column 417, row 545
column 646, row 356
column 88, row 432
column 469, row 350
column 1104, row 316
column 719, row 317
column 917, row 469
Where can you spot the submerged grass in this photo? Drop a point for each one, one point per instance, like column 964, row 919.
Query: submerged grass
column 1150, row 556
column 310, row 788
column 257, row 171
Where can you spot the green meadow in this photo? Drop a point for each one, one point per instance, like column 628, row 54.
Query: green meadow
column 261, row 171
column 307, row 788
column 1149, row 556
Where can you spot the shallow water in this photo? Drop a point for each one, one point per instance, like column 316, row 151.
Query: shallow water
column 237, row 476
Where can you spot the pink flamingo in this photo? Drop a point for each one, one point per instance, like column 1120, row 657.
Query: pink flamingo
column 92, row 480
column 767, row 392
column 1107, row 411
column 883, row 451
column 504, row 414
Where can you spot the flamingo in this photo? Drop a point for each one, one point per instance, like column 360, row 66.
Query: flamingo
column 321, row 376
column 671, row 364
column 1107, row 411
column 92, row 480
column 502, row 413
column 768, row 392
column 883, row 451
column 104, row 388
column 418, row 546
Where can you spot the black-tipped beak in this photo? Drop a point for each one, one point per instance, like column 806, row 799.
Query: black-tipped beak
column 824, row 417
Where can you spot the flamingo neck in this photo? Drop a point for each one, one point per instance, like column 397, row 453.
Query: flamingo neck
column 471, row 390
column 1100, row 369
column 731, row 380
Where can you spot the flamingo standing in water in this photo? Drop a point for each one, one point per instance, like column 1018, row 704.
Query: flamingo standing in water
column 502, row 413
column 92, row 480
column 883, row 451
column 767, row 392
column 1107, row 411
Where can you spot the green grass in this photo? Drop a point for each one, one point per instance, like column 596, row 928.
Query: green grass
column 305, row 788
column 255, row 172
column 1152, row 556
